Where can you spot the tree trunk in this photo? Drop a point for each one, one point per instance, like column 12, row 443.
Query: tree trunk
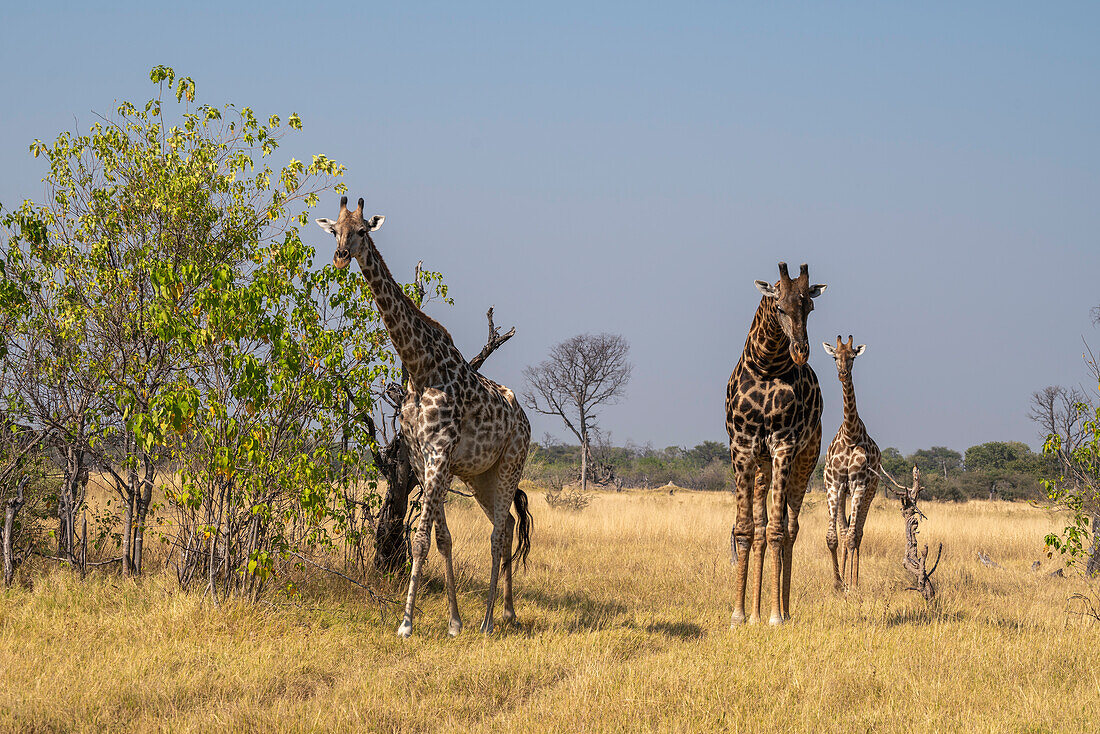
column 584, row 461
column 391, row 550
column 142, row 499
column 128, row 519
column 14, row 504
column 1092, row 566
column 69, row 499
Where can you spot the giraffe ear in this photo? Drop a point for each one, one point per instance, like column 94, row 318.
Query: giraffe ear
column 817, row 289
column 859, row 350
column 326, row 224
column 767, row 289
column 375, row 222
column 829, row 349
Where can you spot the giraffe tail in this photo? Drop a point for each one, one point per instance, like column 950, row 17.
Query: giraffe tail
column 523, row 527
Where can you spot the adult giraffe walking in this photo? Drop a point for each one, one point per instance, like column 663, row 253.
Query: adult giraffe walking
column 773, row 417
column 457, row 423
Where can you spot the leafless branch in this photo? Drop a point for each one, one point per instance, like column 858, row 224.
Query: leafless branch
column 381, row 601
column 495, row 340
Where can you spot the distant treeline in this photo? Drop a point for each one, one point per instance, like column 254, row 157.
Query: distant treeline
column 1007, row 470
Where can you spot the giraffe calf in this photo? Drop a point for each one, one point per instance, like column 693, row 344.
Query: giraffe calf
column 851, row 469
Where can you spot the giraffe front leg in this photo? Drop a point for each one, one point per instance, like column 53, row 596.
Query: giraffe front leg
column 761, row 488
column 782, row 463
column 831, row 540
column 443, row 543
column 861, row 505
column 843, row 531
column 744, row 472
column 794, row 507
column 437, row 479
column 420, row 544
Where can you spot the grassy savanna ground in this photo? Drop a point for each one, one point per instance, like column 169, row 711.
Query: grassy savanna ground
column 624, row 612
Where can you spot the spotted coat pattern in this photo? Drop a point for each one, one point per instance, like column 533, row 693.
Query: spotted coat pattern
column 851, row 469
column 458, row 424
column 773, row 417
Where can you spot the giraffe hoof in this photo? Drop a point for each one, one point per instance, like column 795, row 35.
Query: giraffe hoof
column 737, row 620
column 487, row 628
column 754, row 619
column 509, row 617
column 776, row 620
column 454, row 628
column 405, row 630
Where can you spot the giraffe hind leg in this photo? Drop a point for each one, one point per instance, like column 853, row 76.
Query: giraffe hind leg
column 804, row 462
column 508, row 614
column 495, row 490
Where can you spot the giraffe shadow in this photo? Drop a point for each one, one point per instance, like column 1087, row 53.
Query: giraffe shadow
column 680, row 630
column 582, row 613
column 922, row 616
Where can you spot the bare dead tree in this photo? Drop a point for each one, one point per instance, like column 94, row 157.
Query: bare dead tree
column 914, row 562
column 392, row 458
column 579, row 376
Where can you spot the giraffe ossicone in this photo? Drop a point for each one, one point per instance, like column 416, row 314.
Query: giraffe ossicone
column 457, row 424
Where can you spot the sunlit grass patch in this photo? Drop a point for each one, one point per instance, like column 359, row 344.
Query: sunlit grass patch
column 623, row 626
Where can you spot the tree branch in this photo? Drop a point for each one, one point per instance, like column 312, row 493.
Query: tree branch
column 495, row 340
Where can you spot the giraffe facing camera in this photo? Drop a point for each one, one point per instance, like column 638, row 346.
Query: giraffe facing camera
column 773, row 417
column 457, row 424
column 851, row 469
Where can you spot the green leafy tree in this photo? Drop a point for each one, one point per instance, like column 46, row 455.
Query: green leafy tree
column 894, row 463
column 1075, row 488
column 1002, row 468
column 938, row 459
column 226, row 376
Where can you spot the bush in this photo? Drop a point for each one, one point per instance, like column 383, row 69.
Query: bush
column 571, row 497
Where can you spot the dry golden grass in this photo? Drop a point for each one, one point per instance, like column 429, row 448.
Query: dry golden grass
column 625, row 627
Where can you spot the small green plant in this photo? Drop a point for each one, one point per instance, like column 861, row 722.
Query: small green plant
column 1076, row 490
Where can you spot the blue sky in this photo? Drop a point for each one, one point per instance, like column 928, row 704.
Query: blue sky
column 632, row 168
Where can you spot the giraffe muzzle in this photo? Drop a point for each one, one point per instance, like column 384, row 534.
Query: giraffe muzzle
column 341, row 259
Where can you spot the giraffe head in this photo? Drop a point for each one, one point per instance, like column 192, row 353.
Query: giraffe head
column 845, row 355
column 793, row 303
column 352, row 232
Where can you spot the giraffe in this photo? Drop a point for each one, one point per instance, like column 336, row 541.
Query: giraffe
column 851, row 466
column 773, row 417
column 457, row 423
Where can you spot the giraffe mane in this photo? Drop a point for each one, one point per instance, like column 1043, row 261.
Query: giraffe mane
column 417, row 311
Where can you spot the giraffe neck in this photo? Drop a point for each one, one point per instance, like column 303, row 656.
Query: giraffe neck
column 403, row 318
column 767, row 349
column 852, row 424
